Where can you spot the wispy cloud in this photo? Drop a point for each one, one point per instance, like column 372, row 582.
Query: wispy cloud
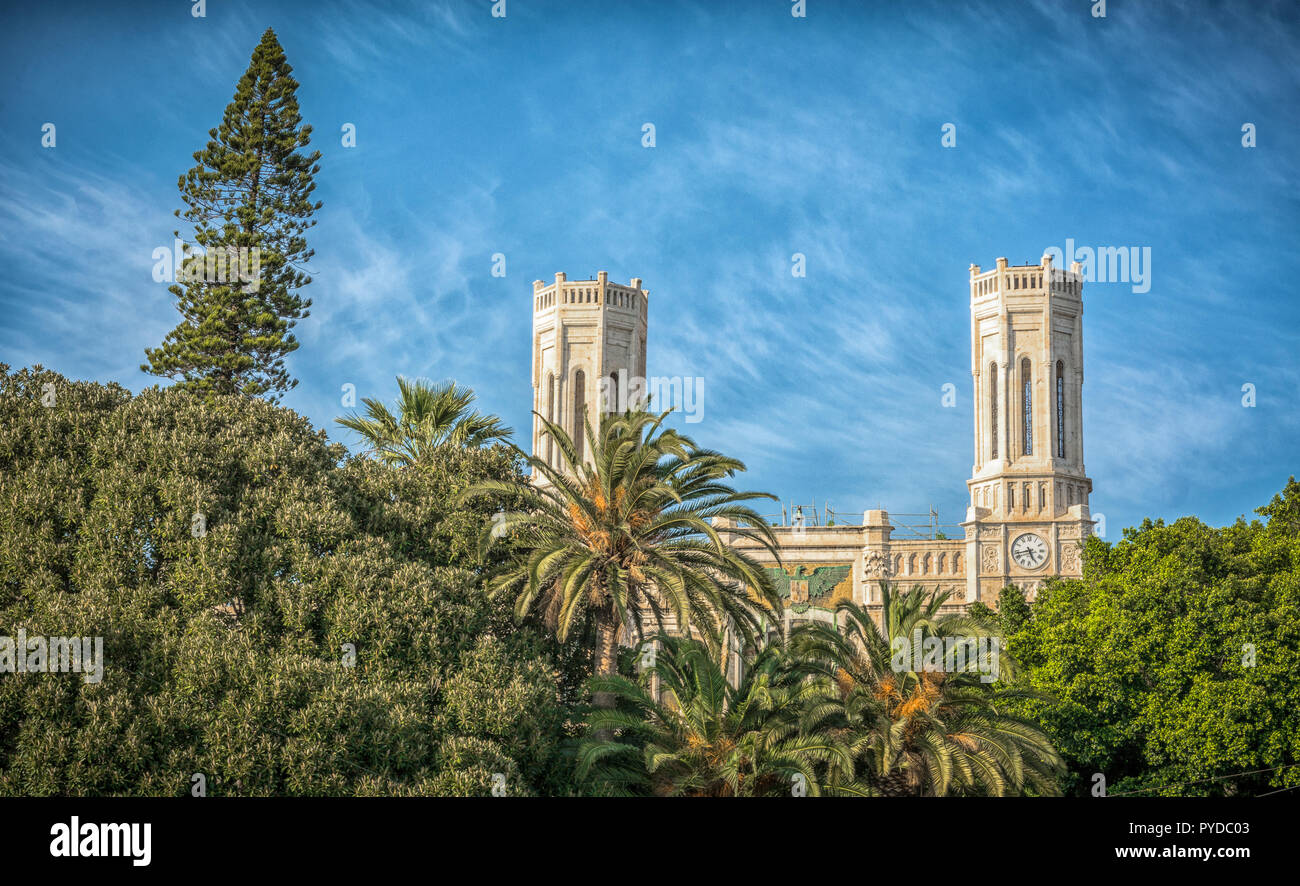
column 775, row 136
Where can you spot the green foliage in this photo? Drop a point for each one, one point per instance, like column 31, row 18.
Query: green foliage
column 224, row 638
column 429, row 417
column 831, row 712
column 250, row 190
column 230, row 557
column 981, row 613
column 927, row 732
column 1013, row 609
column 1012, row 614
column 627, row 537
column 1174, row 657
column 698, row 736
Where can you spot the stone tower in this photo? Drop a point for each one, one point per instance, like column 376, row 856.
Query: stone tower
column 1028, row 510
column 583, row 331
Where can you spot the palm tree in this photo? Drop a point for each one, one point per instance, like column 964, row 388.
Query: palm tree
column 926, row 732
column 698, row 736
column 626, row 537
column 429, row 416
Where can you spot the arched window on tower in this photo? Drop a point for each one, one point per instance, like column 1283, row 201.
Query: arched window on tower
column 579, row 411
column 1027, row 397
column 613, row 405
column 1060, row 409
column 993, row 408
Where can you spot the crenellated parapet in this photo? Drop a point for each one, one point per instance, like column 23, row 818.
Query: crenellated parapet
column 578, row 295
column 586, row 334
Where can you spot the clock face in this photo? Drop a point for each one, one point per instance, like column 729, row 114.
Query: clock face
column 1029, row 551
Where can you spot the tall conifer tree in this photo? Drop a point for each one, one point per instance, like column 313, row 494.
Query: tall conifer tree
column 249, row 199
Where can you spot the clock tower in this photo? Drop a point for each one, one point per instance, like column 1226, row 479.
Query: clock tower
column 1028, row 513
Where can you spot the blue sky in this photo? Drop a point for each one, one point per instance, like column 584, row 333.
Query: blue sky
column 774, row 135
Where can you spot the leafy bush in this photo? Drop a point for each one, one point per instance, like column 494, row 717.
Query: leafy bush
column 226, row 553
column 1174, row 658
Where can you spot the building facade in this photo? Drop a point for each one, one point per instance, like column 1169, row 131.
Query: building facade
column 1027, row 514
column 584, row 331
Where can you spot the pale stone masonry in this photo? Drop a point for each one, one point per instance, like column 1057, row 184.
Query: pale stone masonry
column 583, row 331
column 1027, row 513
column 1028, row 480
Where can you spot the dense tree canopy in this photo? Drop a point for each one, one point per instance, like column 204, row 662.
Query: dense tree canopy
column 1174, row 659
column 283, row 619
column 231, row 558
